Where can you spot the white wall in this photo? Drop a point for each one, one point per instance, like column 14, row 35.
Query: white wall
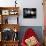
column 32, row 4
column 7, row 3
column 27, row 4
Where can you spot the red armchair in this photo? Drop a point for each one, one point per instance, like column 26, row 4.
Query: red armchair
column 29, row 34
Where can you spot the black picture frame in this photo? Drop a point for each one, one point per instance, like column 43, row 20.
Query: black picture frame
column 29, row 12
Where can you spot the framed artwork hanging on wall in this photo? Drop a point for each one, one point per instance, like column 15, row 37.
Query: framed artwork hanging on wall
column 29, row 13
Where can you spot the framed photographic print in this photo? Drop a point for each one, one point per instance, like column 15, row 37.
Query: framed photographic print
column 5, row 12
column 29, row 13
column 13, row 12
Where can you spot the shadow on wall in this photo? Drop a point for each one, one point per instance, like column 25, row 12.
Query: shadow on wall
column 37, row 29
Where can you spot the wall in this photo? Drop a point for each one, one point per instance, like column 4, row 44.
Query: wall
column 27, row 4
column 32, row 4
column 7, row 3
